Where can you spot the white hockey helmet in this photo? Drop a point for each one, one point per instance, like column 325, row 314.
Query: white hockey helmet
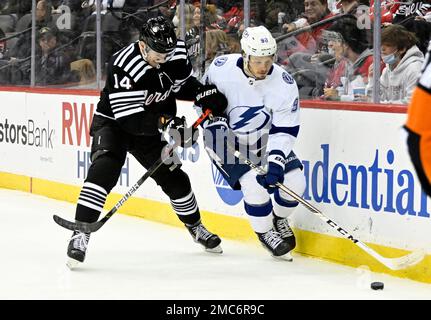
column 258, row 41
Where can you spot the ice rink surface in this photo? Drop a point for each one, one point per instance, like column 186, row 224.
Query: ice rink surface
column 130, row 258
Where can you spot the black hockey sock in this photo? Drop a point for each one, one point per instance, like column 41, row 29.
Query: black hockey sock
column 85, row 214
column 191, row 219
column 187, row 209
column 90, row 203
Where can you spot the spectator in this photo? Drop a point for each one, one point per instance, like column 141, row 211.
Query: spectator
column 168, row 9
column 43, row 12
column 348, row 6
column 234, row 17
column 361, row 11
column 216, row 39
column 226, row 5
column 289, row 10
column 388, row 9
column 333, row 81
column 299, row 53
column 71, row 26
column 22, row 48
column 212, row 19
column 422, row 30
column 216, row 44
column 403, row 61
column 18, row 7
column 189, row 10
column 192, row 22
column 315, row 11
column 310, row 72
column 415, row 8
column 358, row 55
column 12, row 71
column 52, row 64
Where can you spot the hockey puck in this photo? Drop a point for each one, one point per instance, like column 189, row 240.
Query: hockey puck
column 377, row 285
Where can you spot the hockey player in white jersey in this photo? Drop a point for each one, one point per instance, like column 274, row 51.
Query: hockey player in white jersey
column 263, row 116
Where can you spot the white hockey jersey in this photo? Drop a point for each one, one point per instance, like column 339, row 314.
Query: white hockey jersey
column 257, row 108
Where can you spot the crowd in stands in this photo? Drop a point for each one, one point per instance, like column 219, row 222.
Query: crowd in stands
column 329, row 49
column 325, row 44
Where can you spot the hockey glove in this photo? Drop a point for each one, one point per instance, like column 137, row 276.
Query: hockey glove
column 275, row 174
column 209, row 97
column 182, row 135
column 216, row 133
column 163, row 121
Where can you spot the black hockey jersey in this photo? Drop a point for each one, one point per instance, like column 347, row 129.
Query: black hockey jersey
column 136, row 93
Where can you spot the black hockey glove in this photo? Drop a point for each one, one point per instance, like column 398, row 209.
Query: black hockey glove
column 209, row 97
column 163, row 121
column 184, row 136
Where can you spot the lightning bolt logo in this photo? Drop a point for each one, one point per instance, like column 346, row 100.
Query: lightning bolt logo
column 248, row 115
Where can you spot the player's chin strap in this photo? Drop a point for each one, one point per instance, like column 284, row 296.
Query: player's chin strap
column 94, row 226
column 392, row 263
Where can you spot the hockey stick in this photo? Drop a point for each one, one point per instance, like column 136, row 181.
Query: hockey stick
column 94, row 226
column 392, row 263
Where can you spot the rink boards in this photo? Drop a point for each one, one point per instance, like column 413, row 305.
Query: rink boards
column 355, row 161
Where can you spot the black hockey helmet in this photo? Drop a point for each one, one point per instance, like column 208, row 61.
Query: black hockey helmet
column 159, row 34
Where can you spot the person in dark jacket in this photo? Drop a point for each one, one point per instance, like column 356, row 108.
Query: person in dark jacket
column 52, row 63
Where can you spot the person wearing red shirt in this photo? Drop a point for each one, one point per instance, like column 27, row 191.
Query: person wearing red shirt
column 315, row 10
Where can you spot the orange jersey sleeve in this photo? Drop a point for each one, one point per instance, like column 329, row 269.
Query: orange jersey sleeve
column 418, row 126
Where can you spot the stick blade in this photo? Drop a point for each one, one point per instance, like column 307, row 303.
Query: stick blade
column 406, row 261
column 74, row 226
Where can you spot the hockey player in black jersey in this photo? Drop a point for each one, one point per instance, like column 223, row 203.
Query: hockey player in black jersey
column 139, row 99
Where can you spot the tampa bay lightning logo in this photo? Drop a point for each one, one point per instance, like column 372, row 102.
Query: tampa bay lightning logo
column 226, row 193
column 287, row 78
column 295, row 105
column 220, row 61
column 244, row 120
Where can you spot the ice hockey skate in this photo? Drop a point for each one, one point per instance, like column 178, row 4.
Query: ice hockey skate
column 211, row 242
column 274, row 243
column 281, row 225
column 77, row 249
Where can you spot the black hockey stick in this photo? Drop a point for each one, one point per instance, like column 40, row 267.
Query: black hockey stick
column 392, row 263
column 94, row 226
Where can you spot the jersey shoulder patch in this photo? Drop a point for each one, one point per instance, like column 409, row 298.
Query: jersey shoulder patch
column 287, row 78
column 220, row 61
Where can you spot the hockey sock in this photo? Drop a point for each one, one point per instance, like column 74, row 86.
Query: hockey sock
column 90, row 203
column 259, row 216
column 283, row 208
column 187, row 209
